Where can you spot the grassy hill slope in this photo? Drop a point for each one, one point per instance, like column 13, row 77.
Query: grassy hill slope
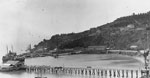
column 122, row 33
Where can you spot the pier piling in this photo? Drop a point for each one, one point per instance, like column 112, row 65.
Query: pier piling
column 109, row 73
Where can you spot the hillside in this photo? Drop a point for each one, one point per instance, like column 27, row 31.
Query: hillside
column 122, row 33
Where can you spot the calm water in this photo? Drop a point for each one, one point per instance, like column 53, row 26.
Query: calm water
column 95, row 61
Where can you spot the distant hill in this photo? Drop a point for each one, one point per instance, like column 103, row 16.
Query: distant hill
column 122, row 33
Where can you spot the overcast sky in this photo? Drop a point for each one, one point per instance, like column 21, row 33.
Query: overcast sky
column 29, row 21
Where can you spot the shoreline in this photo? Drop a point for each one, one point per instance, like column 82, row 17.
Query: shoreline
column 84, row 60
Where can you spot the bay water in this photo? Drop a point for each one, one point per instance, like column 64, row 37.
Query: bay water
column 110, row 61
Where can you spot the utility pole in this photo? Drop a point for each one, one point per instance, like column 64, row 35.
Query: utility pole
column 146, row 52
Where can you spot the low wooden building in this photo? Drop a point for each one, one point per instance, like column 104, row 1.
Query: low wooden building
column 124, row 52
column 97, row 48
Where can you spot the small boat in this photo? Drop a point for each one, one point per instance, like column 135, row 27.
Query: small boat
column 6, row 68
column 11, row 65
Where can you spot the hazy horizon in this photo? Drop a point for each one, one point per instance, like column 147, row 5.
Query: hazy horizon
column 24, row 22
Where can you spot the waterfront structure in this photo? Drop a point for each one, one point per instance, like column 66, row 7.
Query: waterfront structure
column 95, row 72
column 124, row 52
column 96, row 47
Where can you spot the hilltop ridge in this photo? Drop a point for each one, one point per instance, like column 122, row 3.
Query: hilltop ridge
column 122, row 33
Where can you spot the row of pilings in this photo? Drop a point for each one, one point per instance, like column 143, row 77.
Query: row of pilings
column 101, row 72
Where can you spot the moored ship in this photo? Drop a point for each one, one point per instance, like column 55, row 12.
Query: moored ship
column 12, row 56
column 9, row 56
column 11, row 61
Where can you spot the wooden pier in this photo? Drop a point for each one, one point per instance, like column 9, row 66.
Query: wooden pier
column 101, row 72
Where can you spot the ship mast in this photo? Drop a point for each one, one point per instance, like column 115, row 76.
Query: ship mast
column 12, row 48
column 7, row 49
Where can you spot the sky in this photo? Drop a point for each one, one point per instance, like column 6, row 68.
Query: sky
column 24, row 22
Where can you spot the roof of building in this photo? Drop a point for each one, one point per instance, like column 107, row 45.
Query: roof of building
column 12, row 62
column 96, row 46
